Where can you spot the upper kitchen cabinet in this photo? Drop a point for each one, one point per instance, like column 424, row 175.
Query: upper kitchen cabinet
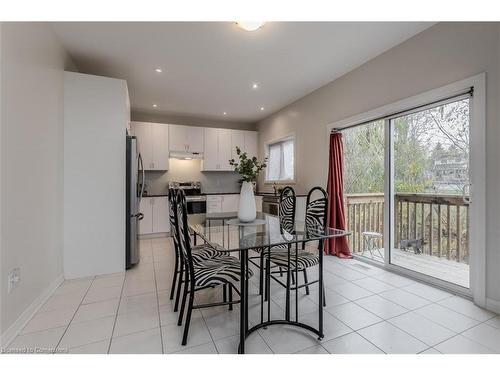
column 217, row 150
column 186, row 139
column 153, row 142
column 246, row 140
column 250, row 143
column 237, row 140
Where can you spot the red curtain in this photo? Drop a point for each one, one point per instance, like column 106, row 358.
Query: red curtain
column 335, row 188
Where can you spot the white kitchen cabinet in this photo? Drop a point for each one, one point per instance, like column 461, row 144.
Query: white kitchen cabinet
column 217, row 150
column 153, row 144
column 156, row 217
column 143, row 132
column 211, row 154
column 146, row 208
column 222, row 203
column 186, row 139
column 246, row 140
column 230, row 202
column 214, row 204
column 251, row 143
column 258, row 203
column 237, row 140
column 160, row 147
column 225, row 149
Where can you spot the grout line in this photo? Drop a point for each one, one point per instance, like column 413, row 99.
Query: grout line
column 73, row 317
column 116, row 315
column 158, row 302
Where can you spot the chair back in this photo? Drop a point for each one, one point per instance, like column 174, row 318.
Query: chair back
column 286, row 209
column 183, row 234
column 316, row 212
column 172, row 212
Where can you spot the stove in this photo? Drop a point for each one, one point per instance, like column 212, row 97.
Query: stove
column 196, row 201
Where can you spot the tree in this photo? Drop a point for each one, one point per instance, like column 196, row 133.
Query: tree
column 420, row 139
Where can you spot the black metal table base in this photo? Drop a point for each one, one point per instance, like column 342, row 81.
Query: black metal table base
column 280, row 322
column 265, row 296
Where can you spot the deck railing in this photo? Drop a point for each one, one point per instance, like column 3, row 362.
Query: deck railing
column 439, row 221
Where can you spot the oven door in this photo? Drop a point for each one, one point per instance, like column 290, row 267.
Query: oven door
column 197, row 207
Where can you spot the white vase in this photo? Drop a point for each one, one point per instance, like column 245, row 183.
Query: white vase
column 247, row 211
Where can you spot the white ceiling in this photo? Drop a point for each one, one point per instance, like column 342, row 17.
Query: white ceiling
column 209, row 67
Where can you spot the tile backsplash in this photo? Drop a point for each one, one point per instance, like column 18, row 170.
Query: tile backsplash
column 189, row 170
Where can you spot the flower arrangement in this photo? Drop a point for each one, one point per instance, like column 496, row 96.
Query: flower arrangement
column 247, row 168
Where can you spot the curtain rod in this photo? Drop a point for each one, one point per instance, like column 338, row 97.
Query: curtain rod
column 470, row 92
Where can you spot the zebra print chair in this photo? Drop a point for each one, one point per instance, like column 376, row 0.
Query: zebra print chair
column 202, row 273
column 200, row 252
column 315, row 217
column 286, row 216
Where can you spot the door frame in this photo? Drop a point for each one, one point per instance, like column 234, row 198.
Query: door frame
column 477, row 179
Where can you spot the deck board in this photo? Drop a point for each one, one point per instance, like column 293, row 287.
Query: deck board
column 441, row 268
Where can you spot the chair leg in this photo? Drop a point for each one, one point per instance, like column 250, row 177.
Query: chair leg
column 188, row 317
column 281, row 272
column 174, row 280
column 183, row 303
column 230, row 296
column 293, row 278
column 179, row 287
column 224, row 293
column 305, row 281
column 324, row 297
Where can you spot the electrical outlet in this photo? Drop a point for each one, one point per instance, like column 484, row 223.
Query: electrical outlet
column 13, row 279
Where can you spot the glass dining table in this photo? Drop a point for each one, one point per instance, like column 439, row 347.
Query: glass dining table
column 267, row 234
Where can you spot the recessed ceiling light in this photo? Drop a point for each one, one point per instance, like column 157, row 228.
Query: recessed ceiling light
column 261, row 108
column 255, row 85
column 155, row 105
column 250, row 25
column 158, row 70
column 225, row 113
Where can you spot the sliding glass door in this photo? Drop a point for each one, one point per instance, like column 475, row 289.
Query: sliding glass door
column 364, row 176
column 429, row 161
column 406, row 191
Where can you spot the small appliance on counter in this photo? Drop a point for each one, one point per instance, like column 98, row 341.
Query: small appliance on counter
column 196, row 201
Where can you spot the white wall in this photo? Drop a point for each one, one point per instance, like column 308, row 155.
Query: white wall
column 96, row 115
column 32, row 63
column 444, row 53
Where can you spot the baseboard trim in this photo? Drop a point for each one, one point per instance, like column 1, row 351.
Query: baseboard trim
column 493, row 305
column 10, row 334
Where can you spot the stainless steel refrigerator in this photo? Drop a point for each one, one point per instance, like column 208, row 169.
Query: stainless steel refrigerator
column 135, row 190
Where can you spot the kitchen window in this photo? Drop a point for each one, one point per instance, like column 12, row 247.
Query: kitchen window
column 281, row 163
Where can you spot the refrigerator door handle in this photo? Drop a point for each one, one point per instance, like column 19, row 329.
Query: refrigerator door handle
column 141, row 166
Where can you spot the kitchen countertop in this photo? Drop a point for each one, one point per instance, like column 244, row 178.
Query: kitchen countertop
column 261, row 194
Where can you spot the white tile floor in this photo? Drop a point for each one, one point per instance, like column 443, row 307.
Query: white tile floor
column 369, row 311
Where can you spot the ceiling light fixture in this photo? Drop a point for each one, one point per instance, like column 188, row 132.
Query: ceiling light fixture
column 225, row 113
column 158, row 70
column 249, row 25
column 255, row 85
column 261, row 108
column 155, row 105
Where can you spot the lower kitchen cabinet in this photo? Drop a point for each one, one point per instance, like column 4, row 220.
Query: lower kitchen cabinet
column 222, row 203
column 156, row 217
column 258, row 203
column 228, row 203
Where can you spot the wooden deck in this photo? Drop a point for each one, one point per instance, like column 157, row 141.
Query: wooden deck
column 441, row 268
